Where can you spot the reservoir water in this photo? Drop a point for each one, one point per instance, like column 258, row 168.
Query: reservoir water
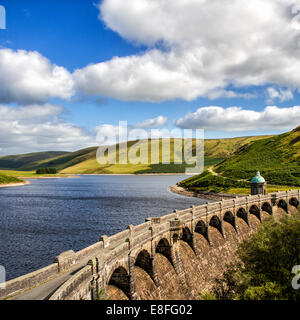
column 49, row 216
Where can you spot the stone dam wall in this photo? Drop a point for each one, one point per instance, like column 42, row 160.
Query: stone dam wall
column 176, row 256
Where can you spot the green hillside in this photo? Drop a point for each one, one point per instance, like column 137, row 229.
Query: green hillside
column 213, row 183
column 215, row 151
column 84, row 161
column 87, row 163
column 224, row 148
column 22, row 160
column 63, row 161
column 4, row 179
column 276, row 157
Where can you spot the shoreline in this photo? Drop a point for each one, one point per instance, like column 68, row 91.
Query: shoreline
column 26, row 182
column 58, row 177
column 18, row 184
column 202, row 195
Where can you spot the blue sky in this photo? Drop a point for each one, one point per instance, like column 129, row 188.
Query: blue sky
column 170, row 65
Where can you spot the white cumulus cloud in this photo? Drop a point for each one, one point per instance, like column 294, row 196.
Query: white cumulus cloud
column 39, row 128
column 204, row 46
column 152, row 123
column 108, row 134
column 154, row 76
column 281, row 95
column 239, row 119
column 28, row 77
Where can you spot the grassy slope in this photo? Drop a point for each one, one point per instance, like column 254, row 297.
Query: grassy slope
column 4, row 179
column 90, row 165
column 63, row 161
column 215, row 151
column 28, row 174
column 20, row 161
column 84, row 161
column 213, row 183
column 277, row 157
column 223, row 148
column 208, row 182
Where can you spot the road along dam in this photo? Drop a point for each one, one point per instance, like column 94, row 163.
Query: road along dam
column 176, row 256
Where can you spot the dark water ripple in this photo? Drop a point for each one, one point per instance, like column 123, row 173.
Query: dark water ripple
column 47, row 217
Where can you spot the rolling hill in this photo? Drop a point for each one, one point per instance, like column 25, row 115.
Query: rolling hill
column 22, row 160
column 84, row 161
column 276, row 157
column 224, row 148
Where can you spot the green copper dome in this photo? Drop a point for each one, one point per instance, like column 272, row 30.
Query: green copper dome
column 258, row 178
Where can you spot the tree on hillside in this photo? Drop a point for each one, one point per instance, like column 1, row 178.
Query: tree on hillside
column 266, row 261
column 46, row 171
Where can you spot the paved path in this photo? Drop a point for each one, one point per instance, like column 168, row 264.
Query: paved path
column 44, row 291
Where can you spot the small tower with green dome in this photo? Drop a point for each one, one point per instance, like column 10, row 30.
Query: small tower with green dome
column 258, row 185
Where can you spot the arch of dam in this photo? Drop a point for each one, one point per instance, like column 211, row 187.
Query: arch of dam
column 176, row 256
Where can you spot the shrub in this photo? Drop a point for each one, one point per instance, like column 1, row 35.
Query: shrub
column 207, row 296
column 265, row 263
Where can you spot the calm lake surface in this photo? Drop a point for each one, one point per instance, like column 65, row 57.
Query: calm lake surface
column 47, row 217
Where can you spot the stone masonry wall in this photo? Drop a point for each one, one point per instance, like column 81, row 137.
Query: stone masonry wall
column 176, row 256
